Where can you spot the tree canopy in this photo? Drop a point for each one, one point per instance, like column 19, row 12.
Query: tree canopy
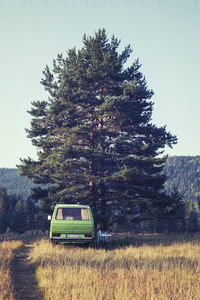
column 95, row 137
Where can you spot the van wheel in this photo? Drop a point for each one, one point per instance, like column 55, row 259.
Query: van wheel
column 94, row 244
column 53, row 241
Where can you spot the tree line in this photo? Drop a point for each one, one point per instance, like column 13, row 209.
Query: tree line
column 18, row 215
column 19, row 211
column 182, row 172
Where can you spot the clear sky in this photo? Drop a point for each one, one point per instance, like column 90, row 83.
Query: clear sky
column 164, row 35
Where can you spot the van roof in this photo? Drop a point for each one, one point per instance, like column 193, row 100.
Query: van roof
column 72, row 205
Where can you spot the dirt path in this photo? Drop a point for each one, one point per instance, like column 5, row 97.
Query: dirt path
column 25, row 284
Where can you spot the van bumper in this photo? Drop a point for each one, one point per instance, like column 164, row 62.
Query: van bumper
column 71, row 241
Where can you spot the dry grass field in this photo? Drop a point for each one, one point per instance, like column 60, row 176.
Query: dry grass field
column 151, row 268
column 6, row 256
column 138, row 267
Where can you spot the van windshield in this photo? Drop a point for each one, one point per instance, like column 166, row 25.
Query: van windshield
column 72, row 214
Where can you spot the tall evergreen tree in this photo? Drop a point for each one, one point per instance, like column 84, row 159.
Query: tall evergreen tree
column 94, row 135
column 175, row 211
column 191, row 216
column 4, row 210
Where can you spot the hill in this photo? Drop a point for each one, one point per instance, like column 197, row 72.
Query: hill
column 14, row 183
column 183, row 172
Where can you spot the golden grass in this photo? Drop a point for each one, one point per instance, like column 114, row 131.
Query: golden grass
column 6, row 256
column 143, row 272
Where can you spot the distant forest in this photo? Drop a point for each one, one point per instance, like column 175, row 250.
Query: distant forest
column 14, row 183
column 183, row 173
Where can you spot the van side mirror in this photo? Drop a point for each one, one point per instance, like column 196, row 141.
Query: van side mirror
column 49, row 218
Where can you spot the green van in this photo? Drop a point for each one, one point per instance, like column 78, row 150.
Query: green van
column 72, row 224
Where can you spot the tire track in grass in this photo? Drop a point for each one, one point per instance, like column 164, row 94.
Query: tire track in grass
column 25, row 283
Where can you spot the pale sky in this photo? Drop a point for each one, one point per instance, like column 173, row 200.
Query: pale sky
column 164, row 35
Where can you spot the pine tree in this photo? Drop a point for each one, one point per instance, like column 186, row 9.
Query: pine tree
column 191, row 217
column 96, row 143
column 19, row 218
column 4, row 210
column 175, row 211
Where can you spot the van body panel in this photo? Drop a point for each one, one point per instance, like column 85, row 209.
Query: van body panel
column 72, row 224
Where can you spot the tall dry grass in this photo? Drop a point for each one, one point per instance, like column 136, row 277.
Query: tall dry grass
column 144, row 272
column 6, row 256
